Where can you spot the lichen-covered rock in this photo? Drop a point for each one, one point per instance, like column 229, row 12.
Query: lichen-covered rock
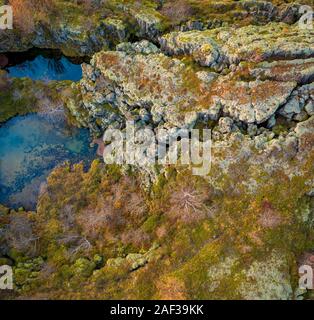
column 273, row 41
column 116, row 29
column 250, row 102
column 268, row 280
column 136, row 260
column 142, row 47
column 199, row 44
column 150, row 22
column 63, row 25
column 225, row 125
column 203, row 92
column 309, row 108
column 262, row 280
column 250, row 43
column 299, row 98
column 198, row 15
column 299, row 70
column 141, row 84
column 305, row 127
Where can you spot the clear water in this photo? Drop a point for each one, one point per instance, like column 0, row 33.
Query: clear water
column 46, row 68
column 30, row 147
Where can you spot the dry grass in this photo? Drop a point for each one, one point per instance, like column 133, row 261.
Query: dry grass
column 269, row 218
column 25, row 12
column 177, row 11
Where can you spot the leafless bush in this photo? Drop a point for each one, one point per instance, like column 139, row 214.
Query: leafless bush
column 118, row 208
column 76, row 243
column 189, row 204
column 92, row 220
column 67, row 217
column 47, row 270
column 131, row 202
column 138, row 238
column 268, row 217
column 19, row 234
column 23, row 11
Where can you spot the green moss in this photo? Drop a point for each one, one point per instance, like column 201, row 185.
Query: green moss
column 83, row 267
column 12, row 105
column 20, row 96
column 151, row 223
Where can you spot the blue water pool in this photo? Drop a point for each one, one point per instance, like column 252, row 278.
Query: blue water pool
column 30, row 147
column 43, row 68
